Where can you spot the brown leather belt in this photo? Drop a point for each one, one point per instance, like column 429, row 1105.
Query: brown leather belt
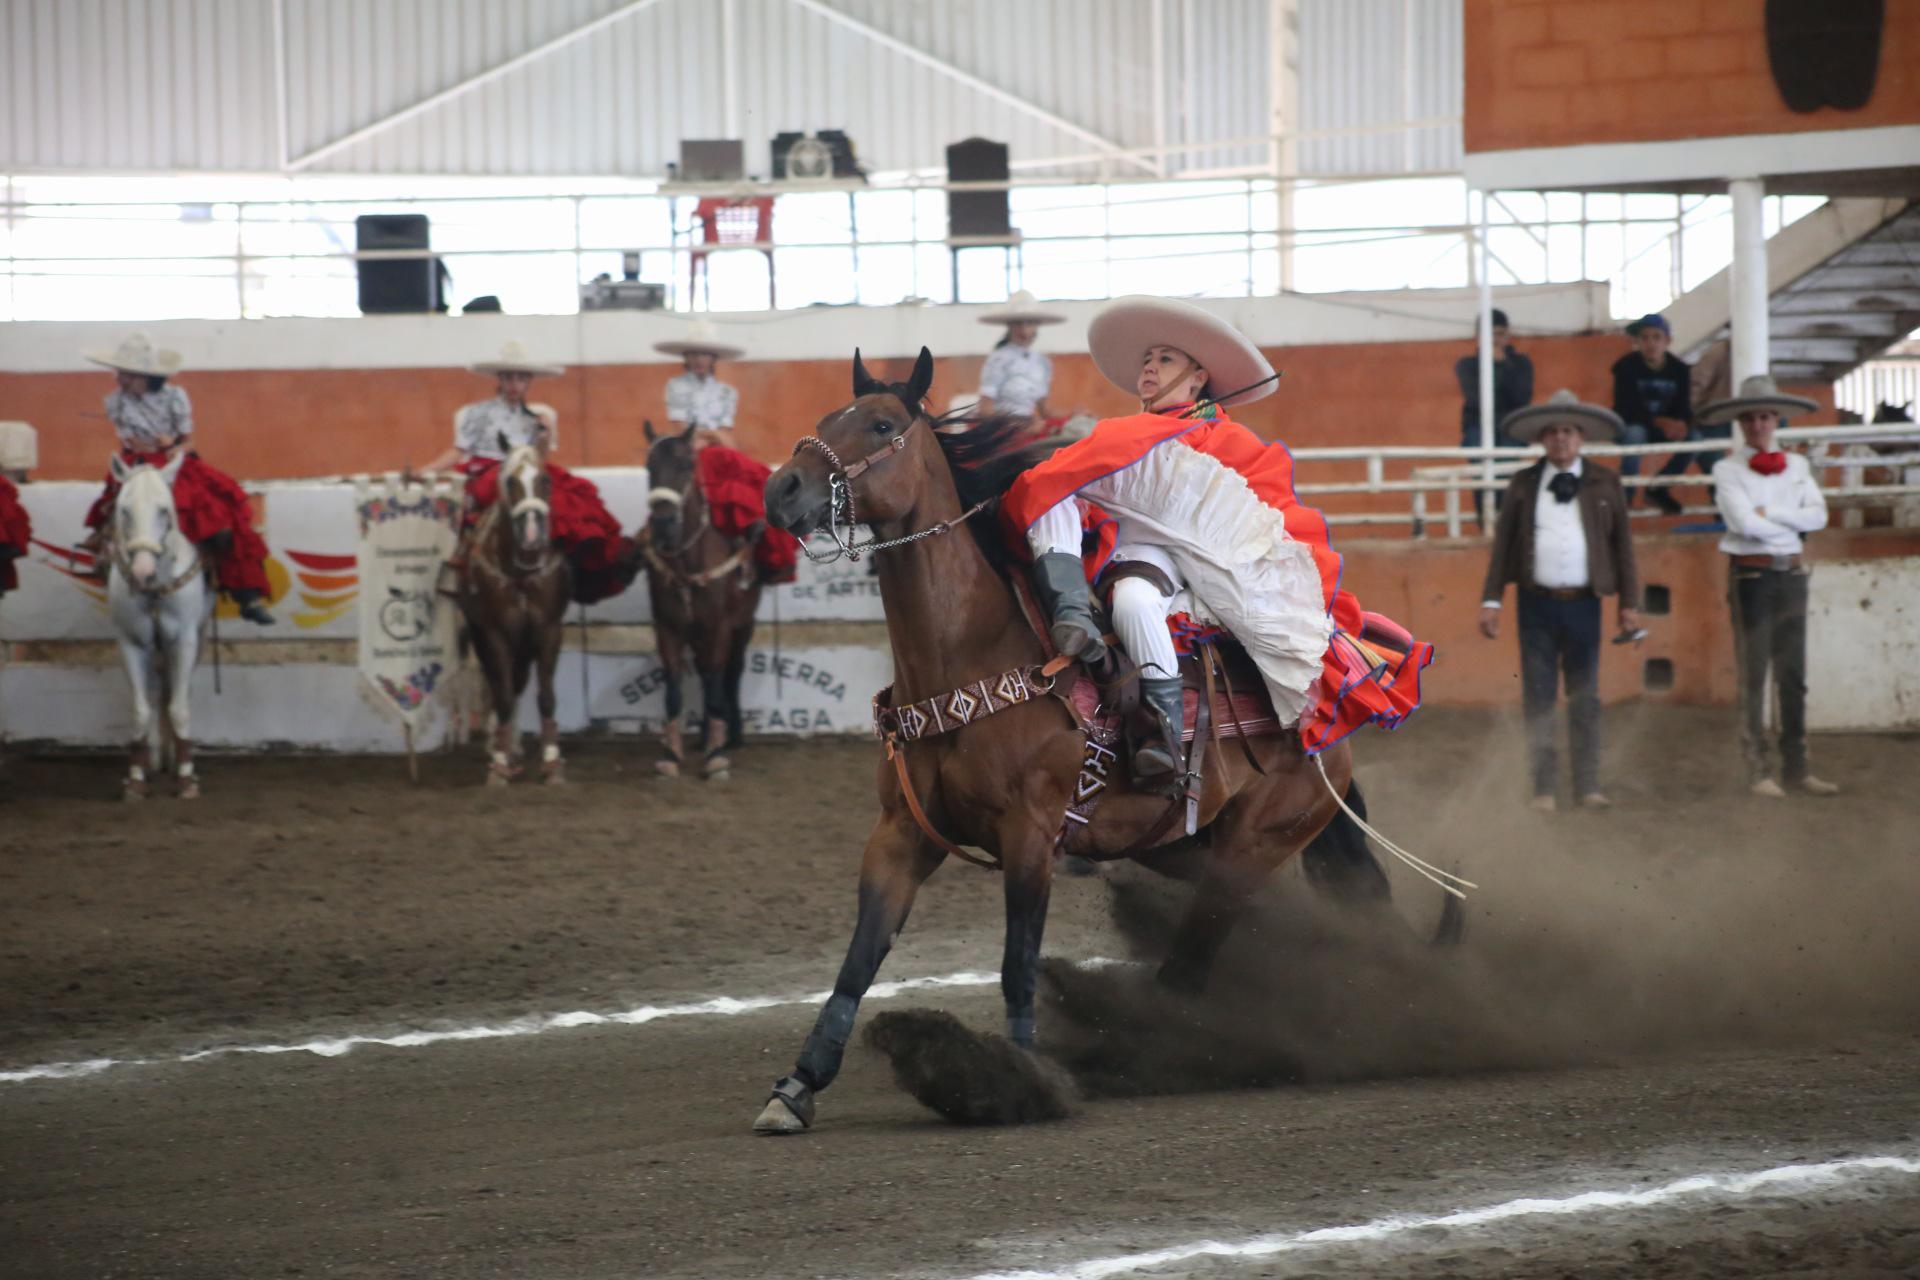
column 1780, row 564
column 1563, row 593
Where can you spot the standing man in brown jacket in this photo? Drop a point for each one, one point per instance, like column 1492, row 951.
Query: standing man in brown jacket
column 1563, row 538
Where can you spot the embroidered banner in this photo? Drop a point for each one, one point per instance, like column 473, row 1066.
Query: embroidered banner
column 406, row 630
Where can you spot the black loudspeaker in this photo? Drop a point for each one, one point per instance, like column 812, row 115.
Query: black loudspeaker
column 1825, row 53
column 390, row 286
column 978, row 213
column 840, row 155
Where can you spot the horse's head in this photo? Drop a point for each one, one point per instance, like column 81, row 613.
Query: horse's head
column 526, row 490
column 847, row 469
column 670, row 479
column 145, row 522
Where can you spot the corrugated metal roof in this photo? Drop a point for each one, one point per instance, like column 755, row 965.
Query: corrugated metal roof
column 188, row 85
column 1380, row 62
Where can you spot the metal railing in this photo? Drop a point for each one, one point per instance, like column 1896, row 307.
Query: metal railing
column 1848, row 451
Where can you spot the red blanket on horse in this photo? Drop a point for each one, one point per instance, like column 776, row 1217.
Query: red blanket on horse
column 735, row 488
column 16, row 529
column 210, row 503
column 1356, row 686
column 585, row 531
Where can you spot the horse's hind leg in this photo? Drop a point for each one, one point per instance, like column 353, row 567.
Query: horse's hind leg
column 496, row 664
column 898, row 860
column 182, row 657
column 1271, row 820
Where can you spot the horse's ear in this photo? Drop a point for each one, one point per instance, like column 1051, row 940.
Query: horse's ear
column 171, row 471
column 864, row 383
column 117, row 469
column 688, row 434
column 921, row 381
column 646, row 425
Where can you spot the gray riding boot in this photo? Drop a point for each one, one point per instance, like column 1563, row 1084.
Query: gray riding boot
column 1068, row 600
column 1158, row 762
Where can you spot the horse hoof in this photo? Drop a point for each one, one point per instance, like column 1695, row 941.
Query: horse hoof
column 133, row 792
column 496, row 779
column 667, row 768
column 556, row 777
column 777, row 1119
column 718, row 769
column 189, row 791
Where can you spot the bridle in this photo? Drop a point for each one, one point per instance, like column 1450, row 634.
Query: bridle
column 532, row 502
column 665, row 562
column 122, row 556
column 841, row 517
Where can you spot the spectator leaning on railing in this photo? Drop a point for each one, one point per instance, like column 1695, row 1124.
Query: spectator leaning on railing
column 1769, row 502
column 1653, row 394
column 1562, row 537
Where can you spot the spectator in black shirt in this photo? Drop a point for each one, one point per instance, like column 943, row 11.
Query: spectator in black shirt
column 1653, row 394
column 1512, row 389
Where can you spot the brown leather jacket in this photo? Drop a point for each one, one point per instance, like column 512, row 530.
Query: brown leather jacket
column 1603, row 512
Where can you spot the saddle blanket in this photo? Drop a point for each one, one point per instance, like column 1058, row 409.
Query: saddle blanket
column 1252, row 709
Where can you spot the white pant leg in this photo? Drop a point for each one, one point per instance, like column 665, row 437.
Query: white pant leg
column 1140, row 612
column 1058, row 530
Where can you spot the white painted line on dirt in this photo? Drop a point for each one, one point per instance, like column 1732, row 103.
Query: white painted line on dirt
column 1785, row 1179
column 532, row 1025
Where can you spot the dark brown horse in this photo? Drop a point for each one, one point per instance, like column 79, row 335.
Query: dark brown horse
column 513, row 593
column 1002, row 782
column 704, row 591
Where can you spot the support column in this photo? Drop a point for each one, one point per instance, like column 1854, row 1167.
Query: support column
column 1749, row 279
column 1487, row 407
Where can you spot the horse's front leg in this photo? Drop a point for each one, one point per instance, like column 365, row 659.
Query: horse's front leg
column 183, row 639
column 552, row 767
column 673, row 670
column 897, row 862
column 495, row 652
column 139, row 671
column 1029, row 885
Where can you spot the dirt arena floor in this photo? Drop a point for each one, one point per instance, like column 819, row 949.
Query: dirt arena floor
column 1695, row 986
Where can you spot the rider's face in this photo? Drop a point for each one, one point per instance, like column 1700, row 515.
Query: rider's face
column 513, row 387
column 1171, row 370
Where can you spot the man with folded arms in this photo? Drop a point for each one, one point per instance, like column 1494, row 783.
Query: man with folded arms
column 1769, row 502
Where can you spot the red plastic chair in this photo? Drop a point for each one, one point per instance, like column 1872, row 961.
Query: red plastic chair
column 729, row 221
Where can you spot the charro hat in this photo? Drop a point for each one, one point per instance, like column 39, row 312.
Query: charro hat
column 19, row 447
column 702, row 336
column 1528, row 424
column 1757, row 392
column 1022, row 306
column 1120, row 335
column 513, row 358
column 137, row 354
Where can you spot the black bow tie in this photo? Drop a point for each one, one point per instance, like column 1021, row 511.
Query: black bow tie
column 1564, row 486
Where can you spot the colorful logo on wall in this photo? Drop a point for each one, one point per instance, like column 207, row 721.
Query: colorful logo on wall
column 327, row 586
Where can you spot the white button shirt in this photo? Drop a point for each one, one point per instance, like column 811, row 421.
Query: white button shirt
column 1559, row 536
column 146, row 422
column 1793, row 504
column 1016, row 379
column 701, row 402
column 478, row 428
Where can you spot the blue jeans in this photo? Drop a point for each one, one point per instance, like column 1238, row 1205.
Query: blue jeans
column 1632, row 433
column 1561, row 639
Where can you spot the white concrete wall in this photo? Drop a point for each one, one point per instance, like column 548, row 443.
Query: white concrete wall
column 1863, row 629
column 627, row 337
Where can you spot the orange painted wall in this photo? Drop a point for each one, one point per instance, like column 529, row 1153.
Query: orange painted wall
column 264, row 424
column 1547, row 73
column 1434, row 589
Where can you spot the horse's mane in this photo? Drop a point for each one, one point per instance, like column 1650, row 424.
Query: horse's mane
column 987, row 453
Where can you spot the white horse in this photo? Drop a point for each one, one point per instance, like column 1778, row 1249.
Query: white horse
column 157, row 592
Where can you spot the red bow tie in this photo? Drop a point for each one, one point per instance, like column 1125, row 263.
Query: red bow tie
column 1768, row 464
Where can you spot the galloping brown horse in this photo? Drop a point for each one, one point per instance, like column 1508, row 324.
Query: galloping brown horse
column 513, row 593
column 1003, row 781
column 704, row 591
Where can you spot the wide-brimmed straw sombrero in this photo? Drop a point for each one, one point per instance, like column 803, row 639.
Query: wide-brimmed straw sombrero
column 1022, row 308
column 137, row 354
column 702, row 338
column 1528, row 424
column 1757, row 392
column 1120, row 335
column 513, row 358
